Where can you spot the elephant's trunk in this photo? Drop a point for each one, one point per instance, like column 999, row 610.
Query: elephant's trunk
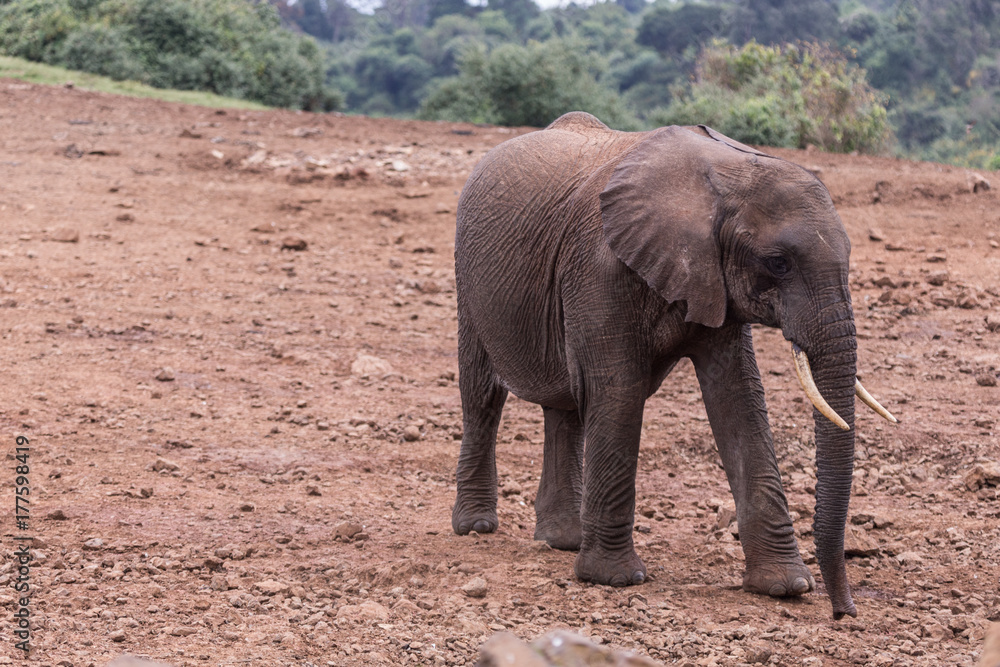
column 833, row 357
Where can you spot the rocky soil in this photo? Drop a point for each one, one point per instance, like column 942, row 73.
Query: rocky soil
column 230, row 339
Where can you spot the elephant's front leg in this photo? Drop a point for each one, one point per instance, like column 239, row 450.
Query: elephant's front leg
column 613, row 424
column 734, row 399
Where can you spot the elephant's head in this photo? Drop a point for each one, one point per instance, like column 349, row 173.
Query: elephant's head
column 736, row 234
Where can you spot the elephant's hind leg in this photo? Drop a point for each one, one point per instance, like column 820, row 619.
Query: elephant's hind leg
column 560, row 491
column 483, row 398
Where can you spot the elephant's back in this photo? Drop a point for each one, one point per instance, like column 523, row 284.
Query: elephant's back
column 515, row 225
column 521, row 188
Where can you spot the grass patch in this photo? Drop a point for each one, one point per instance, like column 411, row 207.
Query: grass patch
column 25, row 70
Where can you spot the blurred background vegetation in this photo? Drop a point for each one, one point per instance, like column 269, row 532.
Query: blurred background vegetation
column 919, row 78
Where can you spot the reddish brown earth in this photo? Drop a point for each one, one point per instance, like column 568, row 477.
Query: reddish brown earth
column 207, row 426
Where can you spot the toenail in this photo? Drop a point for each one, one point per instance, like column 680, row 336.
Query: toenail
column 800, row 585
column 776, row 590
column 618, row 580
column 638, row 578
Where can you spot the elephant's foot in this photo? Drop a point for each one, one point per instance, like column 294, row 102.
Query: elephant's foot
column 611, row 568
column 468, row 516
column 560, row 532
column 779, row 579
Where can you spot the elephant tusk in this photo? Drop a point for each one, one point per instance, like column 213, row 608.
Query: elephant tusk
column 870, row 401
column 812, row 391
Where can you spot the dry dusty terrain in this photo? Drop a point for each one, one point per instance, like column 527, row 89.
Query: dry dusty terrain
column 243, row 453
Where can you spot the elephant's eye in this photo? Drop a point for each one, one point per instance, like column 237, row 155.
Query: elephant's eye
column 777, row 265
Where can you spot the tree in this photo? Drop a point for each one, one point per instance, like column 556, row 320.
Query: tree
column 783, row 96
column 230, row 47
column 525, row 85
column 671, row 29
column 781, row 21
column 518, row 12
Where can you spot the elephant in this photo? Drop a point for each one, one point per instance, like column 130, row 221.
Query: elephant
column 588, row 262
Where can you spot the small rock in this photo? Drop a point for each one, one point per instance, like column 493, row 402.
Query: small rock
column 758, row 655
column 247, row 507
column 117, row 636
column 164, row 464
column 476, row 588
column 937, row 257
column 982, row 475
column 725, row 517
column 313, row 490
column 977, row 183
column 65, row 235
column 909, row 558
column 411, row 433
column 293, row 242
column 368, row 366
column 935, row 631
column 366, row 611
column 56, row 515
column 875, row 234
column 271, row 587
column 858, row 543
column 347, row 530
column 399, row 165
column 511, row 488
column 937, row 278
column 993, row 322
column 182, row 631
column 166, row 374
column 93, row 544
column 986, row 378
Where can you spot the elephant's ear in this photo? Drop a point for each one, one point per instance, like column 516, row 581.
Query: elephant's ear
column 659, row 211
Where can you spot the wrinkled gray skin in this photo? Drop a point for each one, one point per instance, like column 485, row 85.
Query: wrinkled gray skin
column 588, row 262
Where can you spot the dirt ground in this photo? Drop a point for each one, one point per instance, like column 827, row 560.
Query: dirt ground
column 243, row 452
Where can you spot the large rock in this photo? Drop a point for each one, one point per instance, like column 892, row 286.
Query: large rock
column 991, row 650
column 506, row 650
column 556, row 649
column 132, row 661
column 565, row 649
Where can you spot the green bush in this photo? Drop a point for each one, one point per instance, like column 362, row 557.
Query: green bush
column 525, row 85
column 230, row 47
column 100, row 50
column 783, row 96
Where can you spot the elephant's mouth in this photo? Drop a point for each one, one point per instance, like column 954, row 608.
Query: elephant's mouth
column 804, row 373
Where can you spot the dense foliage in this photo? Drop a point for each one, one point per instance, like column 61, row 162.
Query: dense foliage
column 230, row 47
column 525, row 85
column 774, row 96
column 635, row 64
